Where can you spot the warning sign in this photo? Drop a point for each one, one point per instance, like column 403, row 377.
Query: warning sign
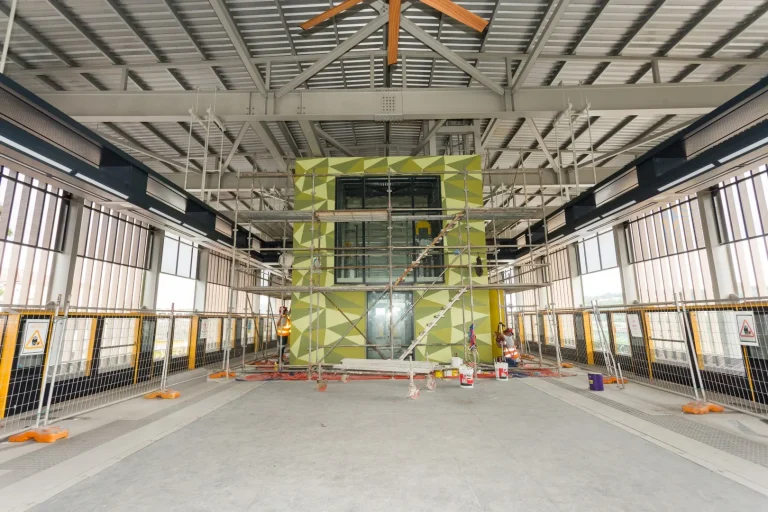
column 747, row 332
column 35, row 337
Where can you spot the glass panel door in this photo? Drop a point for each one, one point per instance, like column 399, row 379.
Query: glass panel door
column 378, row 325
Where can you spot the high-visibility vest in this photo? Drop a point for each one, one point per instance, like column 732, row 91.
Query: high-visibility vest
column 284, row 326
column 511, row 353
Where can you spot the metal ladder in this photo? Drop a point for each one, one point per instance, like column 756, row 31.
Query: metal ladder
column 434, row 321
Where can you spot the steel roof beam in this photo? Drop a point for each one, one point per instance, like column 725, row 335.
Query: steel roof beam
column 329, row 58
column 548, row 25
column 500, row 57
column 572, row 51
column 177, row 16
column 542, row 145
column 428, row 137
column 239, row 44
column 450, row 55
column 745, row 24
column 405, row 104
column 235, row 145
column 268, row 139
column 309, row 134
column 288, row 136
column 332, row 141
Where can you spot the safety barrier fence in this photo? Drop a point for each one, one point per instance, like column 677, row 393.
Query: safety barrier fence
column 55, row 364
column 716, row 350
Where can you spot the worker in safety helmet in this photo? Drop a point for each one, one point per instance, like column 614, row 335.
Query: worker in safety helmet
column 511, row 354
column 283, row 330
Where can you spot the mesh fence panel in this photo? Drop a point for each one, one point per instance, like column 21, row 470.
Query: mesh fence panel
column 58, row 364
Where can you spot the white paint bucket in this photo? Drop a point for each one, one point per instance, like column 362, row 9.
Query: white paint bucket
column 466, row 377
column 455, row 362
column 502, row 370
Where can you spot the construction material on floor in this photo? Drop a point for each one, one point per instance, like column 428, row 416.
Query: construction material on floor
column 386, row 366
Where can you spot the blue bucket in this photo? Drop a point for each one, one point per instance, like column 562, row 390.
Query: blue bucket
column 595, row 381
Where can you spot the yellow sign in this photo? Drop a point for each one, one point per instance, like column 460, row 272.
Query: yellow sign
column 35, row 337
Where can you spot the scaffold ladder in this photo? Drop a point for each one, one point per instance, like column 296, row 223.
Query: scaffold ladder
column 440, row 314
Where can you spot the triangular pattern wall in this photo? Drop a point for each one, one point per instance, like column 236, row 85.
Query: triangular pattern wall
column 314, row 182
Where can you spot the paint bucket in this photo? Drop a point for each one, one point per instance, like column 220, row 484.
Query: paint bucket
column 502, row 370
column 455, row 362
column 595, row 381
column 466, row 377
column 438, row 374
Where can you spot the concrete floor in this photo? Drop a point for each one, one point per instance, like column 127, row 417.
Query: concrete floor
column 363, row 446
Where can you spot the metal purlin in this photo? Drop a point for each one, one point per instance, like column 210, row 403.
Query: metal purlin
column 591, row 146
column 189, row 139
column 575, row 163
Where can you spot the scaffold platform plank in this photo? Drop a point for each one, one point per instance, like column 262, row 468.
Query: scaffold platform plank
column 278, row 291
column 382, row 215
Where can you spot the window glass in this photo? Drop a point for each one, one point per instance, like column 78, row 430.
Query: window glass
column 175, row 291
column 118, row 344
column 184, row 266
column 680, row 267
column 33, row 214
column 607, row 250
column 621, row 334
column 170, row 254
column 603, row 286
column 742, row 208
column 592, row 252
column 417, row 194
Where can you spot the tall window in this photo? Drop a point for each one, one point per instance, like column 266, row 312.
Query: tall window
column 524, row 274
column 412, row 196
column 217, row 287
column 741, row 204
column 32, row 220
column 667, row 247
column 598, row 267
column 112, row 256
column 560, row 277
column 178, row 271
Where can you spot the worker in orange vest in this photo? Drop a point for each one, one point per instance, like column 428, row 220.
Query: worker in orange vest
column 511, row 355
column 283, row 330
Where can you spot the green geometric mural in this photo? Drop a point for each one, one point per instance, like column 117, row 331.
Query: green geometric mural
column 314, row 183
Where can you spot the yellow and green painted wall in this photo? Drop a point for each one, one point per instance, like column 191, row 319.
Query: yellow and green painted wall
column 330, row 324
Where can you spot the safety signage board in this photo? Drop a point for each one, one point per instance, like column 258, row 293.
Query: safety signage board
column 747, row 331
column 35, row 337
column 634, row 325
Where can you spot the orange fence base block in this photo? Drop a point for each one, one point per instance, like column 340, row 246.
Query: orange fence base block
column 41, row 435
column 696, row 408
column 221, row 375
column 715, row 408
column 168, row 394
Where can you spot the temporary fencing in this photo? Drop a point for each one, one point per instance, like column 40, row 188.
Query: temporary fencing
column 58, row 363
column 715, row 350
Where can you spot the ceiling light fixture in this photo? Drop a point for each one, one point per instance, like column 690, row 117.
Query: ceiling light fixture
column 743, row 150
column 155, row 210
column 618, row 208
column 686, row 177
column 100, row 185
column 35, row 154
